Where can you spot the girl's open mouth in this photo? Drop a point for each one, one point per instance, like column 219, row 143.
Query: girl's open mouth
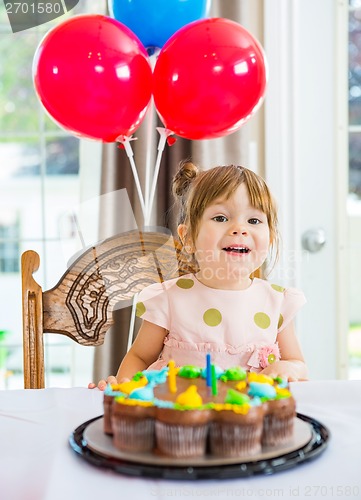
column 240, row 249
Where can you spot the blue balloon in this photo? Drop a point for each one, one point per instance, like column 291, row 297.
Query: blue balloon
column 155, row 21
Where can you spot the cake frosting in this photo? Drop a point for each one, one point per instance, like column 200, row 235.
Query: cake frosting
column 180, row 413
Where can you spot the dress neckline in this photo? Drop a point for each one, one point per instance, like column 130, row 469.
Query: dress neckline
column 253, row 280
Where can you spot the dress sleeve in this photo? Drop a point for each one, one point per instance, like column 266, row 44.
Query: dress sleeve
column 153, row 305
column 293, row 300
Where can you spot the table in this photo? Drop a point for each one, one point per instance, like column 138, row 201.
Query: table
column 37, row 463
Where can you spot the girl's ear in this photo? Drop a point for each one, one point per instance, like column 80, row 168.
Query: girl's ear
column 182, row 232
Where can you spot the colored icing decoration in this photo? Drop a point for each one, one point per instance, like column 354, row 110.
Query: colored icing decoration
column 240, row 409
column 281, row 382
column 236, row 398
column 113, row 390
column 260, row 377
column 143, row 393
column 130, row 386
column 219, row 372
column 262, row 390
column 156, row 376
column 189, row 371
column 255, row 401
column 133, row 402
column 160, row 403
column 283, row 393
column 190, row 397
column 241, row 385
column 236, row 373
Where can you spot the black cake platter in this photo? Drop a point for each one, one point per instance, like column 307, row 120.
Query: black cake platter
column 93, row 445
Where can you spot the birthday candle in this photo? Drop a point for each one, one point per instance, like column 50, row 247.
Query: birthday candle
column 171, row 376
column 214, row 381
column 208, row 370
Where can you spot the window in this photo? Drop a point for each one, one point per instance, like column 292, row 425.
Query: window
column 9, row 243
column 355, row 98
column 354, row 202
column 39, row 183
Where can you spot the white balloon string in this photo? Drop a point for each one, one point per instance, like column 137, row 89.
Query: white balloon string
column 148, row 160
column 164, row 134
column 76, row 221
column 128, row 149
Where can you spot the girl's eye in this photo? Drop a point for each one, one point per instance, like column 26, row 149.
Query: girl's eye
column 254, row 221
column 220, row 218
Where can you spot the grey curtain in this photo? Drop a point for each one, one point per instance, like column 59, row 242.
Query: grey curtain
column 243, row 147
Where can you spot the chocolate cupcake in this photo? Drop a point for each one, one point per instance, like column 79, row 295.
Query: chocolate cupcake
column 133, row 425
column 133, row 417
column 278, row 425
column 236, row 427
column 181, row 430
column 111, row 391
column 280, row 411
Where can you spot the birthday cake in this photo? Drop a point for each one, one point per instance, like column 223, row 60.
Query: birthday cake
column 189, row 412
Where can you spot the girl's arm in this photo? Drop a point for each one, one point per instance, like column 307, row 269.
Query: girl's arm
column 144, row 351
column 292, row 365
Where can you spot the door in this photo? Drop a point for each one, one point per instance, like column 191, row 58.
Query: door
column 307, row 164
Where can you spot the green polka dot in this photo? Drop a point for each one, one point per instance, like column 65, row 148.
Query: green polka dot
column 278, row 288
column 140, row 309
column 212, row 317
column 262, row 320
column 185, row 283
column 280, row 321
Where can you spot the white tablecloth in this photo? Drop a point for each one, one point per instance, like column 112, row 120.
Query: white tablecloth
column 36, row 461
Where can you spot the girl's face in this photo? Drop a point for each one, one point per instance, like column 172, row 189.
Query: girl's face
column 232, row 242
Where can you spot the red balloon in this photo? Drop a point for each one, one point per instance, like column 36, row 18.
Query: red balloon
column 210, row 77
column 93, row 76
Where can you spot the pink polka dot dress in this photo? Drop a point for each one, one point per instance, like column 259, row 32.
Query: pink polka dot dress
column 237, row 327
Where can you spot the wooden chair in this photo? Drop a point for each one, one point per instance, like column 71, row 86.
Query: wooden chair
column 80, row 305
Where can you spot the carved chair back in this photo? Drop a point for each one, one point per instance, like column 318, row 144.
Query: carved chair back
column 80, row 305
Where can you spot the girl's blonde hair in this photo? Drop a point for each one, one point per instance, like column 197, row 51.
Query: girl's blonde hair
column 195, row 190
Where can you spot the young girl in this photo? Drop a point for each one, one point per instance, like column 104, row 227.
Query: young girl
column 228, row 228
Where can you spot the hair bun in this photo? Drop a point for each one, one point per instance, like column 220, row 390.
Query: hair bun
column 182, row 180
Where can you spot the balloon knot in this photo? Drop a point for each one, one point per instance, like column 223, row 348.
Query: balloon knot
column 123, row 139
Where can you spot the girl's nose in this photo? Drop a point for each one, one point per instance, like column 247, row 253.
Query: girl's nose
column 239, row 229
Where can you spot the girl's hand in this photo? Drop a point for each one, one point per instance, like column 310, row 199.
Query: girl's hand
column 292, row 371
column 103, row 383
